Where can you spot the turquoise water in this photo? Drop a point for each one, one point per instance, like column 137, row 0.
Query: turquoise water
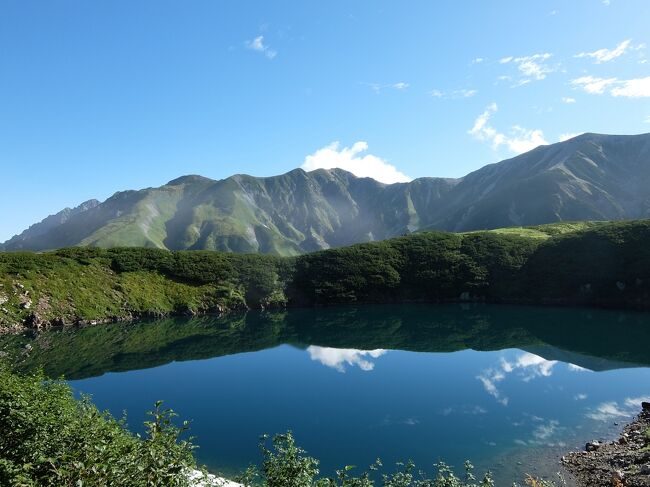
column 510, row 388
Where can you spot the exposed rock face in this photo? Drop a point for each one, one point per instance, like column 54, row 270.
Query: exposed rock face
column 625, row 462
column 589, row 177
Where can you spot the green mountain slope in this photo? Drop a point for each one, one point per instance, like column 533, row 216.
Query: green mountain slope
column 590, row 177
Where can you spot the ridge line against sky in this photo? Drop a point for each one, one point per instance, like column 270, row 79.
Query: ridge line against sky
column 102, row 97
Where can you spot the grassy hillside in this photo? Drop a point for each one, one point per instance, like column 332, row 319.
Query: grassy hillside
column 589, row 177
column 593, row 264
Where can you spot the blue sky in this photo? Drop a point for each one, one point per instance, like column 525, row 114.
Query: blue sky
column 101, row 96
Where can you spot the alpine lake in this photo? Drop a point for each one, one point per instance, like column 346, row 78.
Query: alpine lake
column 511, row 388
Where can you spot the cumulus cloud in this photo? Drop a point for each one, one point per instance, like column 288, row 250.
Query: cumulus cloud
column 533, row 68
column 562, row 138
column 353, row 160
column 518, row 140
column 631, row 88
column 606, row 55
column 258, row 45
column 338, row 358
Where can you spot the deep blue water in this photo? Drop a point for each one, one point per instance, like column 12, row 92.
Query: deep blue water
column 511, row 409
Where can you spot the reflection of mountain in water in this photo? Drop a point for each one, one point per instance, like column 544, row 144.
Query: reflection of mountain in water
column 594, row 339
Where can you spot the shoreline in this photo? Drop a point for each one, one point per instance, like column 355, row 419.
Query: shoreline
column 27, row 325
column 623, row 462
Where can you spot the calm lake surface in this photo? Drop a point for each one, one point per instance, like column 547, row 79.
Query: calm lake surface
column 510, row 388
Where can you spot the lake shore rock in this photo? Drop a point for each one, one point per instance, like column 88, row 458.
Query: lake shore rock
column 621, row 463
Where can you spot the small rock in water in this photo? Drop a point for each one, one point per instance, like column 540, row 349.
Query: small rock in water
column 592, row 446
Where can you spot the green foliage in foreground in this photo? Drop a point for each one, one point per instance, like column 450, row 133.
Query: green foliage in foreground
column 51, row 439
column 571, row 263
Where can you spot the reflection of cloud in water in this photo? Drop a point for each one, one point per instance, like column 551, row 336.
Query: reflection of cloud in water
column 336, row 358
column 580, row 397
column 577, row 368
column 388, row 421
column 607, row 411
column 464, row 409
column 544, row 432
column 527, row 365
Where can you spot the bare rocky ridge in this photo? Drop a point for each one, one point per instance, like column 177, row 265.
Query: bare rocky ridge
column 625, row 462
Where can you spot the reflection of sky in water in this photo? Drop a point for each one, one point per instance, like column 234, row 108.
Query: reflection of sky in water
column 390, row 404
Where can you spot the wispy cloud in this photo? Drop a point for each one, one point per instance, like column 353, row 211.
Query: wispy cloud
column 453, row 95
column 518, row 140
column 338, row 358
column 568, row 100
column 352, row 159
column 258, row 45
column 377, row 88
column 606, row 55
column 631, row 88
column 533, row 68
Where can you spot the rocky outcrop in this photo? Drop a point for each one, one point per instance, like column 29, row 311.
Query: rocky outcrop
column 622, row 463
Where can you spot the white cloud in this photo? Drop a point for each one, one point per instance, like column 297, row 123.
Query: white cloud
column 518, row 140
column 580, row 397
column 568, row 100
column 631, row 88
column 477, row 60
column 350, row 159
column 378, row 87
column 533, row 68
column 337, row 358
column 562, row 138
column 606, row 55
column 453, row 95
column 258, row 45
column 593, row 85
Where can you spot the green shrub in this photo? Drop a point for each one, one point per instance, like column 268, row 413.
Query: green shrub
column 50, row 439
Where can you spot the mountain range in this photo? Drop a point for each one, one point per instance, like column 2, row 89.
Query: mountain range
column 589, row 177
